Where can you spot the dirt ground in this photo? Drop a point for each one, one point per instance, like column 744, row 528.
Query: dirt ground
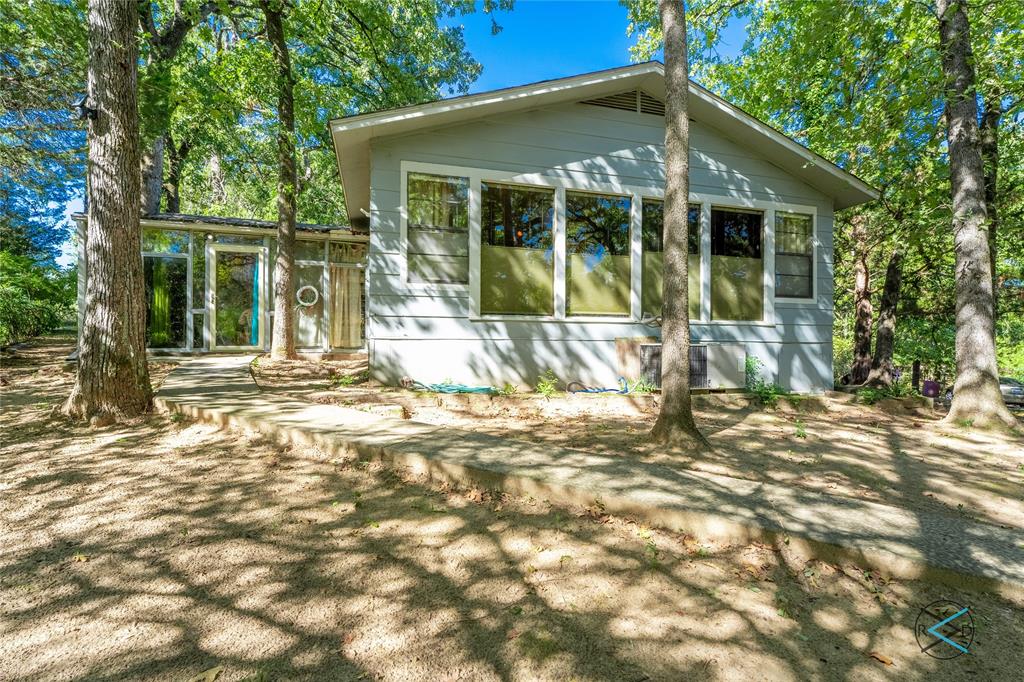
column 907, row 458
column 162, row 549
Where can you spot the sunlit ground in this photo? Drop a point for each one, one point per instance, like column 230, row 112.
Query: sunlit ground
column 162, row 549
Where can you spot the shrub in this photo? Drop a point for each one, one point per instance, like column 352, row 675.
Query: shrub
column 641, row 385
column 34, row 299
column 547, row 384
column 767, row 394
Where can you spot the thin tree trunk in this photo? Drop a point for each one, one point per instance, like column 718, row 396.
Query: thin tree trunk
column 113, row 379
column 283, row 342
column 862, row 303
column 176, row 156
column 976, row 395
column 675, row 425
column 990, row 120
column 885, row 337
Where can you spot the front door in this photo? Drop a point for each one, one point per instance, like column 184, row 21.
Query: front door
column 236, row 296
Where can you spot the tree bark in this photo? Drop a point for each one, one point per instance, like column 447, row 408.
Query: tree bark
column 990, row 120
column 283, row 342
column 675, row 424
column 152, row 176
column 976, row 396
column 862, row 303
column 885, row 336
column 176, row 156
column 113, row 379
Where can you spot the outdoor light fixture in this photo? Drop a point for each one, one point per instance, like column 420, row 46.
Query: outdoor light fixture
column 84, row 110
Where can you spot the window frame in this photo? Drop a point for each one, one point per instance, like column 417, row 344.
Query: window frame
column 637, row 194
column 813, row 215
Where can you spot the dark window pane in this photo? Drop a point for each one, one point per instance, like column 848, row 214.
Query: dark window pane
column 166, row 294
column 516, row 250
column 654, row 226
column 438, row 201
column 794, row 255
column 164, row 241
column 438, row 234
column 736, row 233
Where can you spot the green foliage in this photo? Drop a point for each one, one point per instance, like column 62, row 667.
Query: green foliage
column 34, row 298
column 508, row 390
column 900, row 389
column 642, row 385
column 346, row 380
column 767, row 394
column 547, row 384
column 801, row 429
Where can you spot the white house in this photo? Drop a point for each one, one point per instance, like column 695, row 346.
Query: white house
column 519, row 230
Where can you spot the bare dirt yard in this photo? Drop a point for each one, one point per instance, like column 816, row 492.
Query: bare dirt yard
column 163, row 549
column 902, row 457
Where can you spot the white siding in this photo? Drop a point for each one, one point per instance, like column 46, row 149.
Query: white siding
column 426, row 332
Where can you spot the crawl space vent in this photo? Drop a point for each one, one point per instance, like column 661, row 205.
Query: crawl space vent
column 632, row 100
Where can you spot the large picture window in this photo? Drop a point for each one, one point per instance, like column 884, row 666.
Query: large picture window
column 597, row 246
column 437, row 247
column 517, row 250
column 794, row 255
column 737, row 269
column 166, row 281
column 653, row 229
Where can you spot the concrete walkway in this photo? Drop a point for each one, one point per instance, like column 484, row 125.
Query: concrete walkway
column 896, row 541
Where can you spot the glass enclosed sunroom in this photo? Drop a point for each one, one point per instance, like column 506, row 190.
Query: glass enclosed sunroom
column 209, row 284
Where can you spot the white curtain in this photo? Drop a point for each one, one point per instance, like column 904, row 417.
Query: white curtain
column 346, row 307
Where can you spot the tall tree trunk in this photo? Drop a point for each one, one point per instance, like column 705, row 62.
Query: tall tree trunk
column 862, row 303
column 976, row 395
column 283, row 342
column 990, row 120
column 151, row 168
column 176, row 156
column 675, row 425
column 885, row 337
column 113, row 380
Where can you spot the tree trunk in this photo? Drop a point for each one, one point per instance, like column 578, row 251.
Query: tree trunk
column 675, row 425
column 152, row 176
column 990, row 120
column 176, row 156
column 885, row 337
column 283, row 342
column 976, row 395
column 113, row 379
column 862, row 303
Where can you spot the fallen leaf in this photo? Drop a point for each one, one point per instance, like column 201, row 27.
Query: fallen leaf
column 207, row 675
column 512, row 634
column 881, row 658
column 80, row 558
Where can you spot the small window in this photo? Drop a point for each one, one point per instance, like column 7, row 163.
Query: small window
column 737, row 271
column 794, row 255
column 438, row 228
column 155, row 240
column 309, row 250
column 517, row 250
column 348, row 252
column 653, row 229
column 597, row 245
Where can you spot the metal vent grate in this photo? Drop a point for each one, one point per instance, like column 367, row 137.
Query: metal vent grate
column 650, row 365
column 650, row 105
column 633, row 100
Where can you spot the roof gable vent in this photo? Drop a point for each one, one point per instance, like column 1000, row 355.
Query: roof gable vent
column 636, row 101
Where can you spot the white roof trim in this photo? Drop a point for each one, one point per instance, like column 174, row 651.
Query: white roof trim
column 351, row 135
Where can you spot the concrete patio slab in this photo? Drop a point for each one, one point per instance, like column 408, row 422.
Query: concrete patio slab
column 893, row 540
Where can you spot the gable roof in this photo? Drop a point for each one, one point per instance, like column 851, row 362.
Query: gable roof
column 352, row 134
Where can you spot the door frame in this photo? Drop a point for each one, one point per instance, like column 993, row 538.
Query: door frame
column 211, row 295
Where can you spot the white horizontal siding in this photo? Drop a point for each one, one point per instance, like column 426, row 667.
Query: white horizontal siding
column 426, row 332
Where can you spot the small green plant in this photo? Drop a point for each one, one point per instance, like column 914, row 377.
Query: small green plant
column 767, row 394
column 641, row 385
column 801, row 429
column 347, row 380
column 965, row 423
column 547, row 384
column 508, row 389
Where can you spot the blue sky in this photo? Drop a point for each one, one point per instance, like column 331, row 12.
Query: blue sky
column 543, row 39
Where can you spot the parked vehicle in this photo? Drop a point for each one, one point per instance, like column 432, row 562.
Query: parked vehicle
column 1012, row 390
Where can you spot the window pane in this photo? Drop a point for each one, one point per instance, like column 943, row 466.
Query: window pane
column 198, row 320
column 653, row 263
column 438, row 201
column 348, row 252
column 164, row 241
column 199, row 269
column 737, row 271
column 597, row 244
column 794, row 255
column 438, row 225
column 166, row 290
column 309, row 250
column 517, row 250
